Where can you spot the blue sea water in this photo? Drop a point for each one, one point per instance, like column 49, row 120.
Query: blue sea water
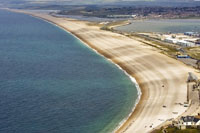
column 51, row 83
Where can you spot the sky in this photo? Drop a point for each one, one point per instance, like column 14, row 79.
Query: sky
column 105, row 1
column 83, row 1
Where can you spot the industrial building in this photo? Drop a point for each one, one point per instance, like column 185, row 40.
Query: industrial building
column 185, row 43
column 182, row 43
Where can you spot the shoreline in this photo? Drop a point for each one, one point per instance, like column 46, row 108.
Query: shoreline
column 133, row 80
column 144, row 98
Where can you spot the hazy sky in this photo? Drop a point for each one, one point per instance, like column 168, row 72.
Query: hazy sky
column 94, row 0
column 84, row 1
column 109, row 0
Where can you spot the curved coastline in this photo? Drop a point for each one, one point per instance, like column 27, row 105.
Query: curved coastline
column 149, row 103
column 112, row 61
column 139, row 92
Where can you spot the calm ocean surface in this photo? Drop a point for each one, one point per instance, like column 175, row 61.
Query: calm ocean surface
column 163, row 26
column 51, row 83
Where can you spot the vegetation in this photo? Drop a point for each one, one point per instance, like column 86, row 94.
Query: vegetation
column 176, row 130
column 140, row 12
column 166, row 48
column 193, row 52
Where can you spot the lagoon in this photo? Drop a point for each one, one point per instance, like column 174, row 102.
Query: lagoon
column 163, row 26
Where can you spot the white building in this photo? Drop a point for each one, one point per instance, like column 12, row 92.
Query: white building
column 182, row 43
column 170, row 40
column 188, row 122
column 185, row 43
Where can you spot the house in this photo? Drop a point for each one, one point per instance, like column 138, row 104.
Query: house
column 187, row 122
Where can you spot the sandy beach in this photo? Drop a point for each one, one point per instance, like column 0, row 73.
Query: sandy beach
column 162, row 79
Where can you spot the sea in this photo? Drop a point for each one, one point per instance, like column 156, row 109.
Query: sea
column 163, row 26
column 50, row 82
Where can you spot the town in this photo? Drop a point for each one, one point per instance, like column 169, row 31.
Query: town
column 143, row 12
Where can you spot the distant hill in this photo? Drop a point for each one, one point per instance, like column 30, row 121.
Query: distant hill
column 168, row 3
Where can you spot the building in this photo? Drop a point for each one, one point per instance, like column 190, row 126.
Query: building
column 182, row 43
column 170, row 40
column 185, row 43
column 191, row 34
column 187, row 122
